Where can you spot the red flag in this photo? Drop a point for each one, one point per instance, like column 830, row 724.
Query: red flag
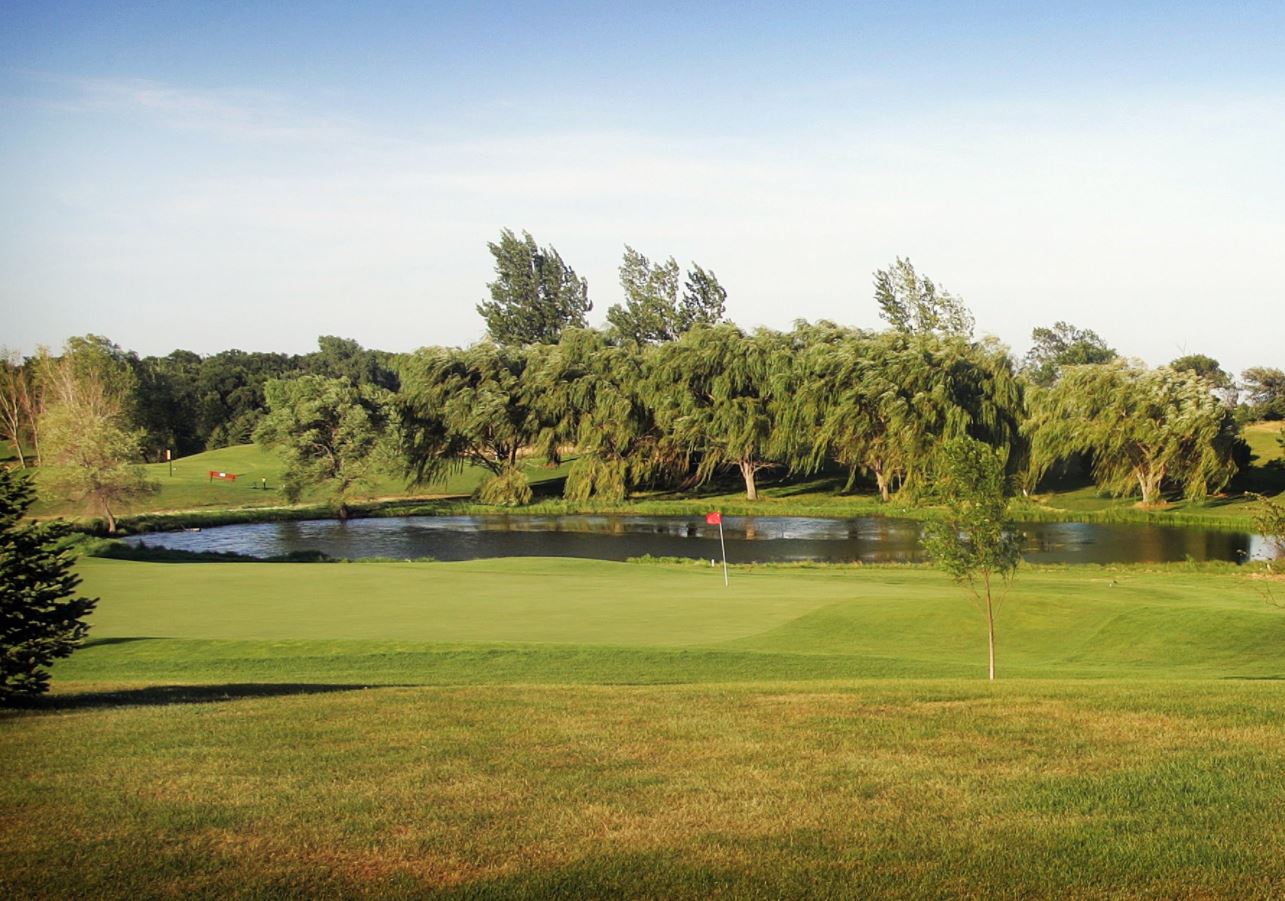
column 714, row 519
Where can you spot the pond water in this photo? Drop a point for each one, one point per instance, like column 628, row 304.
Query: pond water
column 749, row 539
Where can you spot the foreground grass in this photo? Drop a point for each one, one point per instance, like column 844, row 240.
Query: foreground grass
column 883, row 789
column 568, row 728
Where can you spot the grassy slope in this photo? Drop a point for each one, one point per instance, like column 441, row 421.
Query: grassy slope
column 190, row 487
column 510, row 751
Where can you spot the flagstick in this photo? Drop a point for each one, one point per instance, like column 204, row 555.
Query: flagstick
column 724, row 547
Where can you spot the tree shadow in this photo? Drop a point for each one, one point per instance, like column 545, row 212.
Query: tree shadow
column 103, row 642
column 167, row 695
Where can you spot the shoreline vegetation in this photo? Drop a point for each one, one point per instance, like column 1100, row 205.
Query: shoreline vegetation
column 186, row 497
column 190, row 499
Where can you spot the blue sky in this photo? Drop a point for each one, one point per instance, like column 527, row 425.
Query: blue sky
column 253, row 175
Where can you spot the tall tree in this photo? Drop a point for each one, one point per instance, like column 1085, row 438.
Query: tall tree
column 168, row 403
column 975, row 542
column 231, row 395
column 86, row 429
column 704, row 299
column 40, row 620
column 722, row 398
column 591, row 395
column 1265, row 392
column 653, row 311
column 331, row 433
column 1060, row 346
column 344, row 358
column 17, row 396
column 880, row 403
column 535, row 294
column 1207, row 368
column 473, row 405
column 913, row 304
column 1144, row 428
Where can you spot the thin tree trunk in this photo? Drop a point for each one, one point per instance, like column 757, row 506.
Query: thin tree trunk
column 990, row 624
column 343, row 511
column 747, row 472
column 111, row 520
column 881, row 479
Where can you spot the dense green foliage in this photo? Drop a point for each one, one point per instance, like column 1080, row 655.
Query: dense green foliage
column 88, row 444
column 670, row 397
column 1143, row 428
column 1062, row 345
column 473, row 405
column 653, row 311
column 40, row 620
column 535, row 295
column 1265, row 390
column 329, row 432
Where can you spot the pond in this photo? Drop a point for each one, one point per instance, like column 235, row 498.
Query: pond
column 759, row 539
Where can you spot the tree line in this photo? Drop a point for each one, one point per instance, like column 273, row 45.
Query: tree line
column 668, row 394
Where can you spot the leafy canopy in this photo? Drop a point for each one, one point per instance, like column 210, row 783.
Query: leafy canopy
column 912, row 304
column 331, row 434
column 653, row 311
column 976, row 542
column 535, row 294
column 86, row 430
column 472, row 405
column 1063, row 345
column 1144, row 428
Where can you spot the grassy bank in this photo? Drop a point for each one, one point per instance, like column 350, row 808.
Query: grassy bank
column 536, row 728
column 190, row 498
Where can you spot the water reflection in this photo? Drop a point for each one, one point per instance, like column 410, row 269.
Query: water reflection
column 749, row 539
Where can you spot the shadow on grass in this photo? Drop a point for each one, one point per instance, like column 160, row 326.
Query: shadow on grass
column 104, row 642
column 166, row 695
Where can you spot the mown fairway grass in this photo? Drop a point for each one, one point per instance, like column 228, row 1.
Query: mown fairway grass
column 537, row 728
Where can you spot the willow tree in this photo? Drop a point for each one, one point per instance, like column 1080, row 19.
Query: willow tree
column 589, row 394
column 332, row 434
column 853, row 409
column 87, row 431
column 1145, row 428
column 881, row 403
column 470, row 406
column 975, row 541
column 722, row 398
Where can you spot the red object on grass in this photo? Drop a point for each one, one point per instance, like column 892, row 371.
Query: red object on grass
column 714, row 519
column 215, row 474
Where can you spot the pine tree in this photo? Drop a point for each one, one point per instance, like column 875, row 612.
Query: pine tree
column 39, row 619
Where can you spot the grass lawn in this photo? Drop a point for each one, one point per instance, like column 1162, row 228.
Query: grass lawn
column 537, row 728
column 190, row 488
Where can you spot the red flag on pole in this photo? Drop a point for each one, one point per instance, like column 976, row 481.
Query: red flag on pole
column 714, row 519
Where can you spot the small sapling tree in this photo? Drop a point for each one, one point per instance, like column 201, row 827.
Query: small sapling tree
column 976, row 542
column 1270, row 523
column 39, row 619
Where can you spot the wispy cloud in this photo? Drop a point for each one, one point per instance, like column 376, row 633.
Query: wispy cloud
column 234, row 114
